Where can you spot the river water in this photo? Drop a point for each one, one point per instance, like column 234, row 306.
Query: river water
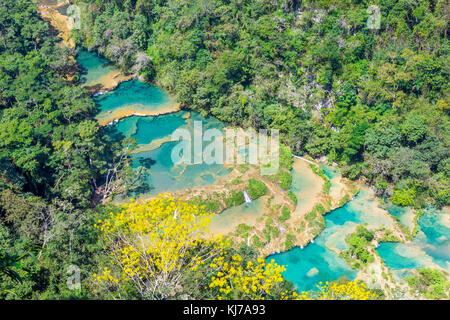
column 305, row 267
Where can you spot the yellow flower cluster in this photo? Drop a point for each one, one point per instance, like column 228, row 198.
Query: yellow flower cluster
column 105, row 276
column 158, row 237
column 132, row 263
column 249, row 281
column 352, row 290
column 157, row 242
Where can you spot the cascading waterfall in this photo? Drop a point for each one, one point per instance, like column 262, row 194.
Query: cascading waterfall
column 247, row 197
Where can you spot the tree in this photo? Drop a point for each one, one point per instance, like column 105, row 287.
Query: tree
column 348, row 290
column 161, row 250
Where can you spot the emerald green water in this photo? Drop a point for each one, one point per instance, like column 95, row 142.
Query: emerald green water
column 230, row 218
column 93, row 66
column 164, row 175
column 430, row 248
column 317, row 262
column 133, row 94
column 305, row 267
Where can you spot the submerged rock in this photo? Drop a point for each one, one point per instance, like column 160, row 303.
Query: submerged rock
column 312, row 272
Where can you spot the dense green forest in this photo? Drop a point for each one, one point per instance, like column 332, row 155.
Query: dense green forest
column 50, row 154
column 373, row 100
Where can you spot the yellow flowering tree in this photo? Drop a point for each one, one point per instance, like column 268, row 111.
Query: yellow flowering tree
column 161, row 250
column 351, row 290
column 236, row 279
column 153, row 245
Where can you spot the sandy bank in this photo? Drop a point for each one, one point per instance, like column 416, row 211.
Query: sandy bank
column 153, row 145
column 60, row 23
column 108, row 82
column 106, row 118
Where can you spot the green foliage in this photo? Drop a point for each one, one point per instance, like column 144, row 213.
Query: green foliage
column 290, row 241
column 293, row 197
column 286, row 158
column 285, row 214
column 256, row 242
column 388, row 237
column 416, row 223
column 235, row 198
column 256, row 188
column 326, row 187
column 319, row 171
column 8, row 263
column 404, row 197
column 243, row 168
column 431, row 283
column 374, row 102
column 236, row 181
column 283, row 178
column 211, row 205
column 242, row 230
column 358, row 254
column 270, row 231
column 52, row 156
column 344, row 200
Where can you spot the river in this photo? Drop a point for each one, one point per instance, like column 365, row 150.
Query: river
column 307, row 266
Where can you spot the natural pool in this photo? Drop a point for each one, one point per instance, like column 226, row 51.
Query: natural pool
column 164, row 175
column 94, row 67
column 430, row 248
column 318, row 261
column 152, row 133
column 133, row 97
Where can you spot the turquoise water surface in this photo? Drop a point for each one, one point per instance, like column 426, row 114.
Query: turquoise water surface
column 93, row 67
column 305, row 267
column 317, row 262
column 133, row 94
column 164, row 175
column 430, row 248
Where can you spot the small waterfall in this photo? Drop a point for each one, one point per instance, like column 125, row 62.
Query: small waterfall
column 247, row 197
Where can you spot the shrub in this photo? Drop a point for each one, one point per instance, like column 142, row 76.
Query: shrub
column 256, row 188
column 285, row 214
